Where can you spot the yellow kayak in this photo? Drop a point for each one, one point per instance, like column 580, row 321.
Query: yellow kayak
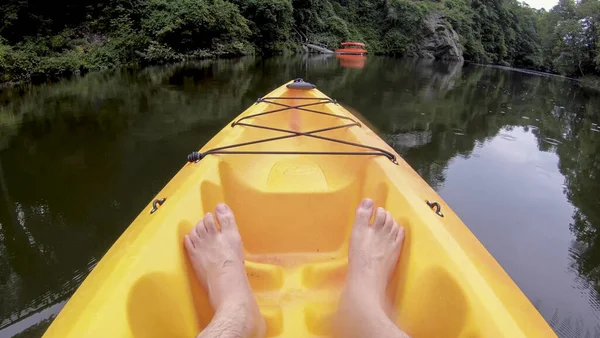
column 293, row 167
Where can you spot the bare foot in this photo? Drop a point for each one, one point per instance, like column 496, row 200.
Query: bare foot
column 374, row 251
column 372, row 257
column 217, row 257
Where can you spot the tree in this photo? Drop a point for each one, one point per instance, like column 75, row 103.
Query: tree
column 589, row 12
column 194, row 24
column 270, row 23
column 570, row 37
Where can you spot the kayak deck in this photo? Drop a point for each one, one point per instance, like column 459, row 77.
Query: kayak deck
column 294, row 213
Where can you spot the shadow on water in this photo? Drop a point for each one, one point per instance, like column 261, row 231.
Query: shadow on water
column 80, row 158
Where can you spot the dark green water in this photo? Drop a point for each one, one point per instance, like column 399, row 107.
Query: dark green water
column 517, row 156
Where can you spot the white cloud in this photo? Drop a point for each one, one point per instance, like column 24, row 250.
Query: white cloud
column 547, row 4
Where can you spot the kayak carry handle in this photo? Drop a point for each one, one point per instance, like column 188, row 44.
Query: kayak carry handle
column 301, row 84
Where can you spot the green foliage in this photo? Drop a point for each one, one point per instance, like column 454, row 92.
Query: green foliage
column 270, row 22
column 187, row 25
column 61, row 64
column 402, row 23
column 502, row 32
column 320, row 22
column 68, row 53
column 157, row 53
column 591, row 81
column 120, row 47
column 390, row 27
column 77, row 36
column 526, row 50
column 14, row 65
column 570, row 35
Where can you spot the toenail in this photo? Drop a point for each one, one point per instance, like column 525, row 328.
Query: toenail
column 367, row 203
column 221, row 208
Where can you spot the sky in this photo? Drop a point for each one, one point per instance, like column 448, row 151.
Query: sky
column 547, row 4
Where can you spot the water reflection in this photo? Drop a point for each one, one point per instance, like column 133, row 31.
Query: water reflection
column 351, row 61
column 517, row 156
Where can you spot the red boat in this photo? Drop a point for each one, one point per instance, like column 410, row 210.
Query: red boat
column 356, row 48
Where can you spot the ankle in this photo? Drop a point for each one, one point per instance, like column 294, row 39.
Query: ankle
column 365, row 284
column 363, row 298
column 234, row 301
column 232, row 305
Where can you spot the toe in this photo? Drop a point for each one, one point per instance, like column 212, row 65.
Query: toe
column 364, row 212
column 394, row 231
column 225, row 217
column 389, row 222
column 400, row 235
column 209, row 223
column 380, row 216
column 197, row 233
column 189, row 245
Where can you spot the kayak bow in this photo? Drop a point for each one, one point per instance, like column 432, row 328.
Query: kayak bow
column 293, row 167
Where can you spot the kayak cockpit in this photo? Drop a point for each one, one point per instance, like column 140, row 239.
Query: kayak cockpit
column 294, row 209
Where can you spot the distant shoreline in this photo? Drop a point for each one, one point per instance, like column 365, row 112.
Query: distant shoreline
column 589, row 82
column 523, row 70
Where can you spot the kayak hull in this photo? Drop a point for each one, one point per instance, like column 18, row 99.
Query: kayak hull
column 295, row 212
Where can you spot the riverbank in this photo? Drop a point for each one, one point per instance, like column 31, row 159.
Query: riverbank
column 589, row 82
column 60, row 66
column 75, row 53
column 24, row 64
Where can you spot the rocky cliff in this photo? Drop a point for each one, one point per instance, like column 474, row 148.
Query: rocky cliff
column 438, row 41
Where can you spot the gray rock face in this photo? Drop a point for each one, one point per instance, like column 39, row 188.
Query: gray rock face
column 439, row 41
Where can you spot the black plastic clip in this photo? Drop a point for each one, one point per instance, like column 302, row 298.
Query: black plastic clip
column 194, row 157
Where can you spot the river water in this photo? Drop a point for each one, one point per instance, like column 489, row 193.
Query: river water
column 517, row 156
